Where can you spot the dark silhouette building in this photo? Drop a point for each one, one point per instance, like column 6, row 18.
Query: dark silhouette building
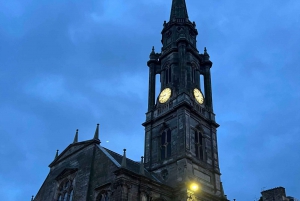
column 181, row 153
column 276, row 194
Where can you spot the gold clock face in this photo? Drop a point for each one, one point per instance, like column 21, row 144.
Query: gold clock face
column 164, row 95
column 198, row 95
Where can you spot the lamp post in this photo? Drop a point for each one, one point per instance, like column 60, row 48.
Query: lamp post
column 192, row 188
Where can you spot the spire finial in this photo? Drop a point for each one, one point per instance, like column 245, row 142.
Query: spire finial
column 56, row 155
column 32, row 198
column 124, row 159
column 96, row 136
column 178, row 10
column 76, row 137
column 142, row 172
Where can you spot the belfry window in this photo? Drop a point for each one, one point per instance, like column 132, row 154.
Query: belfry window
column 65, row 191
column 168, row 75
column 165, row 144
column 199, row 145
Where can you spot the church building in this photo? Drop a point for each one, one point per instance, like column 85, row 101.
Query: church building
column 180, row 160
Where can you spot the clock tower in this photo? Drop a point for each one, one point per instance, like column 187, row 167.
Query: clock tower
column 180, row 127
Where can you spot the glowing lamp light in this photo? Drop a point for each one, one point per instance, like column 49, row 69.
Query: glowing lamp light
column 194, row 187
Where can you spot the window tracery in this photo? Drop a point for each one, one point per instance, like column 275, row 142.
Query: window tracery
column 65, row 190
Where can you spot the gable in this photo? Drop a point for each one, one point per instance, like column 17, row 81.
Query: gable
column 72, row 149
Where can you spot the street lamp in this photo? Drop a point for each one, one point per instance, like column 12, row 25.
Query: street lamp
column 194, row 186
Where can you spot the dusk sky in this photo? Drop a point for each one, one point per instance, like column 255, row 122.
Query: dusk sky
column 68, row 64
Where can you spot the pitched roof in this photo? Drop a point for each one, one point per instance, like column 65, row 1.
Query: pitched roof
column 131, row 165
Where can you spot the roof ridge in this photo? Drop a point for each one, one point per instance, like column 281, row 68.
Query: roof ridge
column 109, row 156
column 274, row 188
column 137, row 162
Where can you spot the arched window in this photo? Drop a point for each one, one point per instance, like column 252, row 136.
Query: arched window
column 199, row 145
column 165, row 144
column 65, row 191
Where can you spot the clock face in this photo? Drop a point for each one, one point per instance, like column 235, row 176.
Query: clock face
column 198, row 95
column 164, row 95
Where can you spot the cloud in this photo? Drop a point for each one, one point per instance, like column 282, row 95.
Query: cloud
column 72, row 64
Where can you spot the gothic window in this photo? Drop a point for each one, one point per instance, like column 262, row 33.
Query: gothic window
column 165, row 144
column 168, row 75
column 199, row 145
column 65, row 191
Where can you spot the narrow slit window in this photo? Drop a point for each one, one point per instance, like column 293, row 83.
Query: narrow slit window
column 169, row 143
column 193, row 75
column 165, row 144
column 199, row 148
column 168, row 75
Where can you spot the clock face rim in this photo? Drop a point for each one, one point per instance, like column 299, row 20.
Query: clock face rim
column 165, row 95
column 198, row 99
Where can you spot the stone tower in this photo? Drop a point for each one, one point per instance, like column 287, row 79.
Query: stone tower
column 180, row 126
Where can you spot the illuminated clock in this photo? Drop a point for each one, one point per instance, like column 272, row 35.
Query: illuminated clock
column 165, row 95
column 198, row 96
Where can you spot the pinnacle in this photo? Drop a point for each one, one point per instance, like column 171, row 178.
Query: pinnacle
column 76, row 137
column 142, row 172
column 124, row 159
column 56, row 155
column 96, row 136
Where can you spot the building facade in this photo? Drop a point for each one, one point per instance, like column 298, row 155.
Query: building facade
column 181, row 154
column 276, row 194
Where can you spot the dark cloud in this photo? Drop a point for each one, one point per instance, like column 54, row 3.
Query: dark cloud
column 72, row 64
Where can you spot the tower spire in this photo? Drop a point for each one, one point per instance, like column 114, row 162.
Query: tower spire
column 178, row 10
column 76, row 137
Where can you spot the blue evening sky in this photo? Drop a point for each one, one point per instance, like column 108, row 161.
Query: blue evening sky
column 68, row 64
